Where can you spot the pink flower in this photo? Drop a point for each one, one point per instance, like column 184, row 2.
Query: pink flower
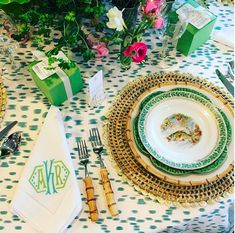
column 158, row 23
column 151, row 6
column 137, row 51
column 101, row 50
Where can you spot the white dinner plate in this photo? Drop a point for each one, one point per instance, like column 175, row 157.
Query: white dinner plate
column 182, row 130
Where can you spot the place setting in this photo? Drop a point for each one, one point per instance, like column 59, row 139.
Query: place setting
column 116, row 116
column 174, row 134
column 48, row 187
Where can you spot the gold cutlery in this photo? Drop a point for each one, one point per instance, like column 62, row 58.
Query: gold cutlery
column 91, row 200
column 98, row 149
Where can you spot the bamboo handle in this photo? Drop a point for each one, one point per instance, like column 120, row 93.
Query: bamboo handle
column 91, row 201
column 108, row 192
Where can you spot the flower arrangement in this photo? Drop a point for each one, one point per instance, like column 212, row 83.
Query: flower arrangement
column 132, row 48
column 80, row 21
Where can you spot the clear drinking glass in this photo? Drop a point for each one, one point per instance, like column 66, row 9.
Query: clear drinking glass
column 8, row 48
column 169, row 36
column 163, row 48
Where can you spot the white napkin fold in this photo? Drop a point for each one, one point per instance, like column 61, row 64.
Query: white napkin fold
column 225, row 37
column 48, row 195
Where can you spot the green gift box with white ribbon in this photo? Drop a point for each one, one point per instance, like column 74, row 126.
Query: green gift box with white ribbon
column 200, row 25
column 57, row 85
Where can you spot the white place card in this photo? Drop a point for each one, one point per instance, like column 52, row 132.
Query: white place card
column 96, row 89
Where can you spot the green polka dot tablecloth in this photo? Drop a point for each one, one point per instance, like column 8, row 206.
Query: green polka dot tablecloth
column 138, row 213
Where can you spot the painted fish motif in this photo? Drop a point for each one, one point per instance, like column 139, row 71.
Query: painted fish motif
column 181, row 136
column 183, row 128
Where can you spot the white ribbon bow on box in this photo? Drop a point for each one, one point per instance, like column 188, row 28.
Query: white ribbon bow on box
column 41, row 70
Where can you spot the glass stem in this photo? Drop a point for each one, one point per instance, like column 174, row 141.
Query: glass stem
column 164, row 47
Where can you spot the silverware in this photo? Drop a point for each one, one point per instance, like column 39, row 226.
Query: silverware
column 98, row 149
column 91, row 200
column 226, row 83
column 10, row 144
column 231, row 69
column 4, row 132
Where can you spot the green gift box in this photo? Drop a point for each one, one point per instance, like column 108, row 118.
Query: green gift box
column 198, row 29
column 57, row 88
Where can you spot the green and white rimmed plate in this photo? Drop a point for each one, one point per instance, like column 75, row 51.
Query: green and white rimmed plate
column 177, row 127
column 163, row 167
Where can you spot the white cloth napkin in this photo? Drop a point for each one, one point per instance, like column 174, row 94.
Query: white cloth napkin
column 225, row 37
column 48, row 195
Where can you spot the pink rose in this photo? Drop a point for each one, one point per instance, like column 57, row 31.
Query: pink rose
column 137, row 51
column 158, row 23
column 101, row 50
column 151, row 6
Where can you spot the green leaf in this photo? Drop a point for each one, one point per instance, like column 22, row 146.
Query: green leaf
column 10, row 1
column 51, row 60
column 87, row 1
column 88, row 54
column 70, row 16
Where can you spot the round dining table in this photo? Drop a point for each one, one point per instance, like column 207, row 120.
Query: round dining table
column 137, row 213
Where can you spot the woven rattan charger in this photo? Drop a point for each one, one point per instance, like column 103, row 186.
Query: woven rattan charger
column 130, row 166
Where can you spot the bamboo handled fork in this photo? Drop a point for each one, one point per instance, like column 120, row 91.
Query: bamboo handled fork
column 91, row 200
column 98, row 149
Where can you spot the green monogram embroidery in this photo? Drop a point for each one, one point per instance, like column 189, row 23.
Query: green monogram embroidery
column 49, row 177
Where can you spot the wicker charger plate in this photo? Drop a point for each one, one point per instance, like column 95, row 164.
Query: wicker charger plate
column 137, row 174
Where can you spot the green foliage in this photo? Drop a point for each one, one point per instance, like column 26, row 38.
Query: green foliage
column 10, row 1
column 40, row 18
column 88, row 54
column 66, row 16
column 70, row 16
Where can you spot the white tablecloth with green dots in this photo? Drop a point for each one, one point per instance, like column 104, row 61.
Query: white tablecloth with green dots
column 137, row 213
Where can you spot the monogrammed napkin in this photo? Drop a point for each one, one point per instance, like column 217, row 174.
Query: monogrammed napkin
column 48, row 195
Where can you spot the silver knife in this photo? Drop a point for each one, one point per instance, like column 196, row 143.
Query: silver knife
column 4, row 132
column 231, row 69
column 225, row 81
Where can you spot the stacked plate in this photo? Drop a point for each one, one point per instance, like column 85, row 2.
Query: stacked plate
column 184, row 134
column 171, row 136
